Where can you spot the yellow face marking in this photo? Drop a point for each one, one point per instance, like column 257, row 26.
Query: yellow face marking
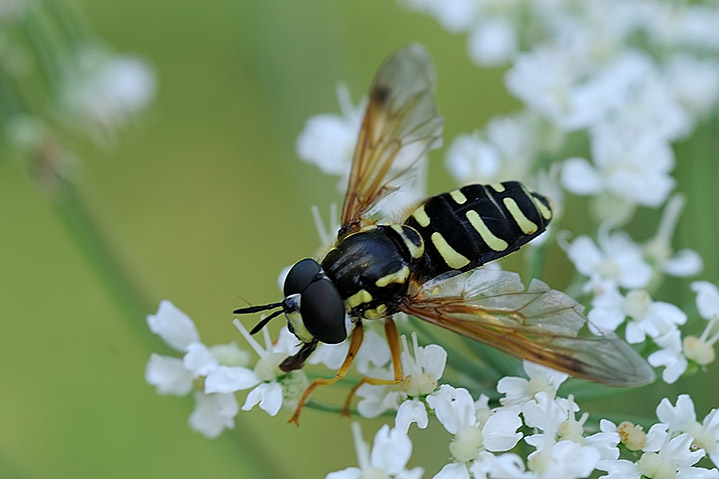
column 450, row 256
column 497, row 244
column 298, row 326
column 360, row 297
column 399, row 276
column 414, row 250
column 378, row 313
column 524, row 223
column 498, row 187
column 543, row 210
column 421, row 216
column 458, row 196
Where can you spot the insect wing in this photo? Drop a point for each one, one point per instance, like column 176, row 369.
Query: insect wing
column 400, row 125
column 538, row 324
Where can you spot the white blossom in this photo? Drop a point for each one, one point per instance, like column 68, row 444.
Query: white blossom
column 390, row 453
column 474, row 428
column 213, row 413
column 685, row 262
column 652, row 318
column 617, row 260
column 682, row 418
column 328, row 140
column 106, row 90
column 518, row 391
column 215, row 409
column 669, row 356
column 273, row 387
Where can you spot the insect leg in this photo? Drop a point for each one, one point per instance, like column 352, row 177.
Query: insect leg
column 355, row 343
column 392, row 335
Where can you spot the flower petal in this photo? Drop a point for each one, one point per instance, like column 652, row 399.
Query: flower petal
column 168, row 375
column 213, row 413
column 411, row 411
column 225, row 379
column 580, row 177
column 199, row 359
column 391, row 450
column 173, row 326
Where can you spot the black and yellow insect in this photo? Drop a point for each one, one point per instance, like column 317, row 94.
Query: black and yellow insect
column 377, row 269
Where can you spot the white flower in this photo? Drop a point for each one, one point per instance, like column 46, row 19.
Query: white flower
column 652, row 318
column 685, row 262
column 272, row 386
column 168, row 375
column 701, row 349
column 454, row 15
column 633, row 168
column 473, row 428
column 606, row 313
column 215, row 409
column 173, row 326
column 328, row 140
column 492, row 42
column 422, row 367
column 605, row 441
column 488, row 465
column 106, row 90
column 707, row 299
column 504, row 151
column 470, row 159
column 549, row 82
column 518, row 391
column 213, row 413
column 670, row 356
column 422, row 372
column 547, row 414
column 618, row 260
column 665, row 456
column 563, row 460
column 682, row 418
column 390, row 453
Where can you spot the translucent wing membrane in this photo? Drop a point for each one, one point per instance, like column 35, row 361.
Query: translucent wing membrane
column 400, row 125
column 538, row 324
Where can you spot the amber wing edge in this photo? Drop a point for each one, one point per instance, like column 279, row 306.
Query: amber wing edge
column 538, row 324
column 400, row 125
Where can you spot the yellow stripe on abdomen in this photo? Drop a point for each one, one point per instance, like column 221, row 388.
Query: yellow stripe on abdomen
column 454, row 259
column 497, row 244
column 524, row 223
column 421, row 216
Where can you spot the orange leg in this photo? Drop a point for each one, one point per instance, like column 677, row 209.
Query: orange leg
column 355, row 343
column 390, row 331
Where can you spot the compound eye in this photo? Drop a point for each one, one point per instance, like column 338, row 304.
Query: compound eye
column 323, row 312
column 300, row 275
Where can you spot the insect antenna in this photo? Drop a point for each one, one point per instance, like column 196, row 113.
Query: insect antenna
column 264, row 321
column 257, row 309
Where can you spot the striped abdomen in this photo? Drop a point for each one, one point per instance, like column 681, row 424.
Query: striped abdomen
column 465, row 228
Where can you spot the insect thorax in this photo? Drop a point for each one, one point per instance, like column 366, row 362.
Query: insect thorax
column 371, row 268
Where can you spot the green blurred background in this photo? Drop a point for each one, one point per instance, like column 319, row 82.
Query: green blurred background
column 204, row 201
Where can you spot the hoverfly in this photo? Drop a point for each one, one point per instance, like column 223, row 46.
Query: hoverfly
column 423, row 265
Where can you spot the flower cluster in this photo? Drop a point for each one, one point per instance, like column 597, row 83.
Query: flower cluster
column 558, row 440
column 62, row 82
column 606, row 88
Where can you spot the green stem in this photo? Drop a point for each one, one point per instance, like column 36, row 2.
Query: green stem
column 323, row 407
